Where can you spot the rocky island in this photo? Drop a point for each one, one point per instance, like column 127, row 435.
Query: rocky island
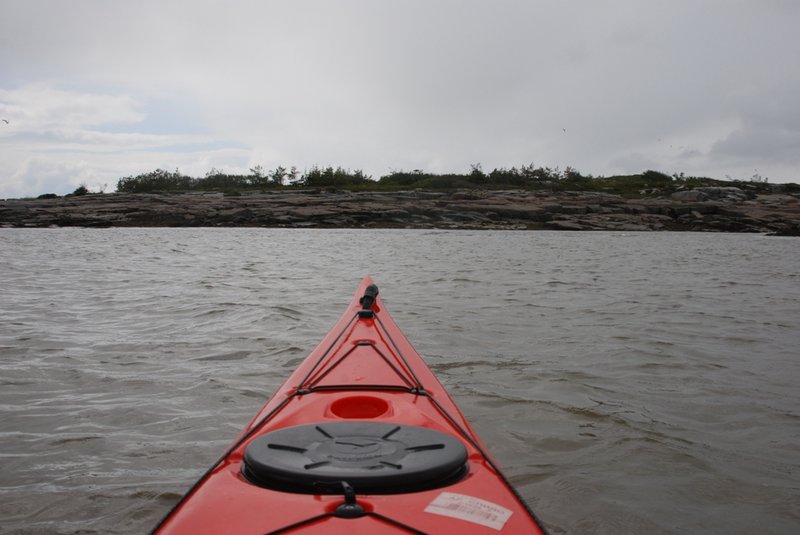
column 714, row 209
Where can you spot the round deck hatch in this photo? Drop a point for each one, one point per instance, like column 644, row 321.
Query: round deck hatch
column 374, row 458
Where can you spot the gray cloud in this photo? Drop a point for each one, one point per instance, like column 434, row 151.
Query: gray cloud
column 770, row 126
column 703, row 87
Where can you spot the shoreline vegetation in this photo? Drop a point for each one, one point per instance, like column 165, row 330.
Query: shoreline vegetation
column 528, row 197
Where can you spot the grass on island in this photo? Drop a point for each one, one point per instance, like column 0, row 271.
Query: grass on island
column 527, row 177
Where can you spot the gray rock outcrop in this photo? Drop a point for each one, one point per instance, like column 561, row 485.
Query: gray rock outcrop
column 701, row 209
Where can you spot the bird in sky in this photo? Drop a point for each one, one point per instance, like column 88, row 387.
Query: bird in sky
column 5, row 121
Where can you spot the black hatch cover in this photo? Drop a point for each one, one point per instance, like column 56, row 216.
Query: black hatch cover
column 374, row 458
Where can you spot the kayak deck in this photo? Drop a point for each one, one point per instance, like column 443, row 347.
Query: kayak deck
column 361, row 438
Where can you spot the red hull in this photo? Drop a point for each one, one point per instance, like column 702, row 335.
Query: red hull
column 363, row 371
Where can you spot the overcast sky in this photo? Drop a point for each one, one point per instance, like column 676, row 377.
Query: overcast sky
column 95, row 90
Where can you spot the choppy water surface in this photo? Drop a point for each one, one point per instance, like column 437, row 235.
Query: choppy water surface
column 628, row 383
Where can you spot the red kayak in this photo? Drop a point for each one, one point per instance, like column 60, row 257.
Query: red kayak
column 360, row 439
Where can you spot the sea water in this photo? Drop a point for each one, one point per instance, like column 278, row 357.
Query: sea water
column 627, row 382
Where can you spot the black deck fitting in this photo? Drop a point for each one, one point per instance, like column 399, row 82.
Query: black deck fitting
column 350, row 508
column 367, row 300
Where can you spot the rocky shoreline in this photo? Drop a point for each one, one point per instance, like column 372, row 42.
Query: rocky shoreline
column 714, row 209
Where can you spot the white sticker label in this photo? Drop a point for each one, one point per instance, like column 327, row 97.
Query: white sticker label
column 470, row 509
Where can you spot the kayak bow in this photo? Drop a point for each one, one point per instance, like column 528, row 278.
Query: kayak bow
column 362, row 438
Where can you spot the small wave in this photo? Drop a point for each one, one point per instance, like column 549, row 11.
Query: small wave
column 68, row 440
column 287, row 312
column 235, row 355
column 156, row 495
column 555, row 444
column 284, row 350
column 447, row 366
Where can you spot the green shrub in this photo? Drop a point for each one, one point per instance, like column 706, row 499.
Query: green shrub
column 317, row 177
column 158, row 180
